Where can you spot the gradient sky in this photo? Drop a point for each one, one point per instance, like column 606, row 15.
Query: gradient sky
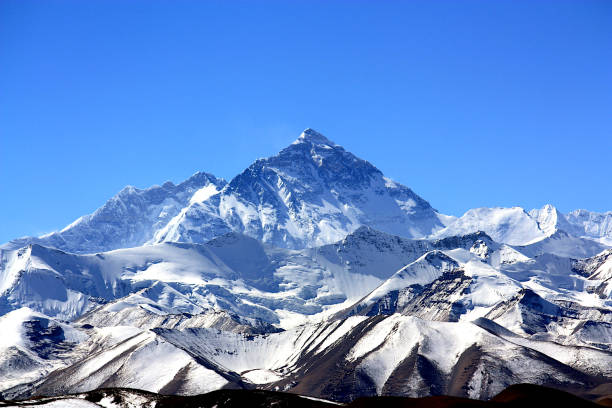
column 469, row 103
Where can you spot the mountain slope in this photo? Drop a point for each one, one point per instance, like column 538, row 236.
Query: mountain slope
column 263, row 282
column 592, row 224
column 232, row 273
column 33, row 345
column 337, row 359
column 407, row 332
column 507, row 225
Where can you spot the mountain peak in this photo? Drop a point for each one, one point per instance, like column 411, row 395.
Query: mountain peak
column 314, row 137
column 549, row 219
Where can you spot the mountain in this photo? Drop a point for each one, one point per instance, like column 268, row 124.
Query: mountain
column 129, row 219
column 579, row 223
column 373, row 314
column 189, row 278
column 310, row 273
column 337, row 360
column 515, row 226
column 563, row 244
column 550, row 220
column 424, row 270
column 598, row 271
column 233, row 273
column 33, row 345
column 312, row 193
column 592, row 224
column 511, row 226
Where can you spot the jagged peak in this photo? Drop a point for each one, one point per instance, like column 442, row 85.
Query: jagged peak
column 365, row 230
column 583, row 212
column 436, row 255
column 366, row 233
column 549, row 219
column 312, row 136
column 546, row 209
column 549, row 207
column 198, row 177
column 233, row 238
column 129, row 189
column 202, row 175
column 455, row 241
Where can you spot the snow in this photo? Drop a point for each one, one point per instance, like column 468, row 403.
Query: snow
column 11, row 263
column 130, row 218
column 339, row 331
column 390, row 351
column 11, row 327
column 391, row 341
column 596, row 362
column 204, row 194
column 293, row 242
column 506, row 255
column 261, row 376
column 320, row 400
column 173, row 278
column 20, row 361
column 562, row 244
column 422, row 271
column 156, row 364
column 68, row 403
column 591, row 224
column 511, row 226
column 301, row 202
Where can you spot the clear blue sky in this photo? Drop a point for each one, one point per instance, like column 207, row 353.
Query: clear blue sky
column 470, row 103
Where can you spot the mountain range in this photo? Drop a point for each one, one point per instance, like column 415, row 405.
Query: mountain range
column 310, row 272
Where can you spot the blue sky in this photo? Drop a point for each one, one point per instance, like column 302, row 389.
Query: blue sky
column 470, row 103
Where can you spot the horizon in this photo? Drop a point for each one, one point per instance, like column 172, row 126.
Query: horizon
column 474, row 105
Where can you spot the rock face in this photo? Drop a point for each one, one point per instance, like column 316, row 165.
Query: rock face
column 309, row 272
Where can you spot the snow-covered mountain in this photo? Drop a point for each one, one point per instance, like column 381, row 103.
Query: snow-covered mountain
column 515, row 226
column 234, row 273
column 592, row 224
column 511, row 226
column 337, row 360
column 309, row 272
column 268, row 317
column 312, row 193
column 129, row 219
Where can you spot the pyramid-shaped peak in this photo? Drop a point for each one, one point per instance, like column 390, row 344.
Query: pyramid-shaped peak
column 312, row 136
column 549, row 208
